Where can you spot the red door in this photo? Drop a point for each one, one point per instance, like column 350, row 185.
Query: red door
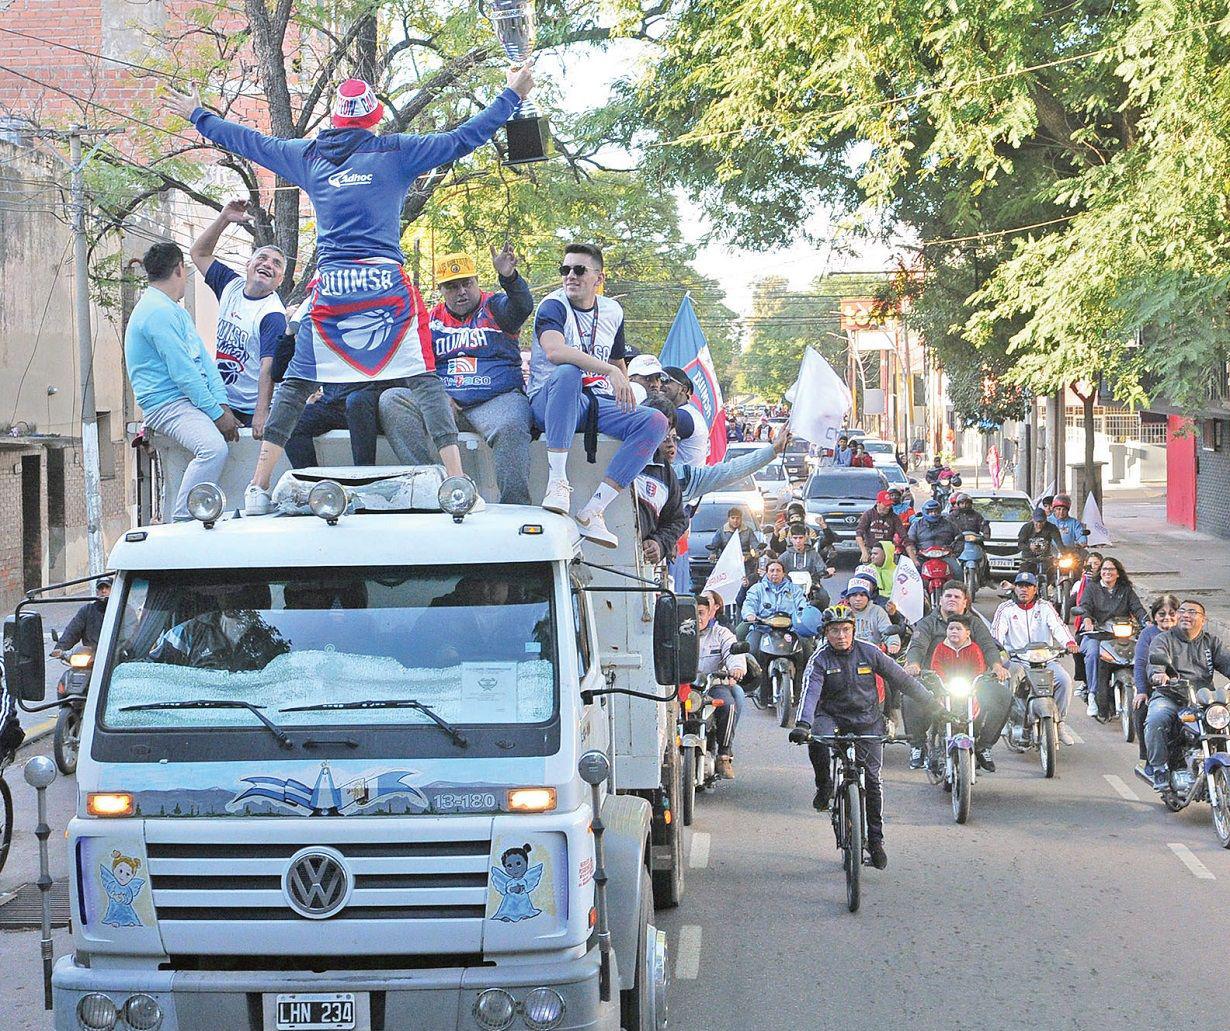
column 1181, row 472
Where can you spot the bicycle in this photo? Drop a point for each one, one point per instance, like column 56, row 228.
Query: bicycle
column 849, row 807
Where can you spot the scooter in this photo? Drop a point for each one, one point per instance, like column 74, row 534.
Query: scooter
column 779, row 651
column 948, row 754
column 72, row 686
column 972, row 561
column 935, row 572
column 1116, row 686
column 1067, row 572
column 1033, row 720
column 1199, row 763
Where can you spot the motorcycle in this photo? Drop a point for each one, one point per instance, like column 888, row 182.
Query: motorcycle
column 948, row 753
column 779, row 651
column 1199, row 763
column 1039, row 556
column 813, row 590
column 935, row 572
column 972, row 561
column 942, row 489
column 1116, row 686
column 1068, row 570
column 71, row 688
column 1033, row 720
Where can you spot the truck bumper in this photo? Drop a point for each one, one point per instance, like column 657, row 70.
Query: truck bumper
column 432, row 1000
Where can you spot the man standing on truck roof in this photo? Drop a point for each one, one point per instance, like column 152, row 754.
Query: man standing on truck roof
column 173, row 375
column 478, row 359
column 251, row 317
column 578, row 379
column 367, row 321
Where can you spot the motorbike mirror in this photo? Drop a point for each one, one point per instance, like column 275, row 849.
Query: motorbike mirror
column 913, row 482
column 1161, row 659
column 1079, row 610
column 739, row 648
column 55, row 635
column 893, row 631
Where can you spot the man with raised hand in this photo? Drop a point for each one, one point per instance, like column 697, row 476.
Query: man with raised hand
column 478, row 359
column 251, row 317
column 578, row 378
column 367, row 320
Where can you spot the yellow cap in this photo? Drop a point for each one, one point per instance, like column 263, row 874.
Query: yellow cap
column 454, row 266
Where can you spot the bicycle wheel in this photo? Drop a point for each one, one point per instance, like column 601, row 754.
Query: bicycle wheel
column 854, row 844
column 6, row 820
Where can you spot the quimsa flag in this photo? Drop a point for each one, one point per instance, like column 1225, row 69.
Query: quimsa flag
column 687, row 348
column 908, row 592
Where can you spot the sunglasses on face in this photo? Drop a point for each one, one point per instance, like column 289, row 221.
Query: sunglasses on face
column 577, row 270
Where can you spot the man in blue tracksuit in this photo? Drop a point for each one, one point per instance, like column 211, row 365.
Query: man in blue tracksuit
column 1071, row 530
column 841, row 696
column 367, row 320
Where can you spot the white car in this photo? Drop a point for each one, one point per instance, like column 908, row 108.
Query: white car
column 776, row 488
column 882, row 452
column 746, row 493
column 1007, row 511
column 897, row 477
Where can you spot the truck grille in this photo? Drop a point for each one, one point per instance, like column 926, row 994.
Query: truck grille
column 206, row 891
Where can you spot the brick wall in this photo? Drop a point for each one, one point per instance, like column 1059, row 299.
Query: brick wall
column 1213, row 485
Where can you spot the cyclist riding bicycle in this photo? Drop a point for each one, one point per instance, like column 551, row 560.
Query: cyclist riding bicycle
column 841, row 693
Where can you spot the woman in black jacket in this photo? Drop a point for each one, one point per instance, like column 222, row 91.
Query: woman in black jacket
column 1111, row 597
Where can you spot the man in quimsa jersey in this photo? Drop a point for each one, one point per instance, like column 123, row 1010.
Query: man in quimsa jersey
column 251, row 317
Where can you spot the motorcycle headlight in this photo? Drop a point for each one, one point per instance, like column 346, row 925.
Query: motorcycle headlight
column 81, row 660
column 1122, row 630
column 1217, row 717
column 959, row 688
column 1038, row 655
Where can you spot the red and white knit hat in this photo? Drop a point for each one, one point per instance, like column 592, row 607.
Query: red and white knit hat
column 356, row 106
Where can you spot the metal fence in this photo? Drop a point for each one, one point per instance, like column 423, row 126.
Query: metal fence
column 1118, row 424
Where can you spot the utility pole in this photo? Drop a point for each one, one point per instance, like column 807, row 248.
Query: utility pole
column 85, row 363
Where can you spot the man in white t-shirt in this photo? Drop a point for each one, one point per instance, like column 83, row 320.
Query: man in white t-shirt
column 692, row 428
column 251, row 318
column 577, row 373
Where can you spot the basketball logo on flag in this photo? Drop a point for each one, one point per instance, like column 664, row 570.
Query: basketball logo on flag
column 366, row 330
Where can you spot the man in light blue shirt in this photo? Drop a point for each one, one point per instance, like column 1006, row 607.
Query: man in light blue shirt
column 174, row 377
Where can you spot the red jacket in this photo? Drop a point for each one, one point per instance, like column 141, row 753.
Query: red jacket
column 862, row 461
column 948, row 662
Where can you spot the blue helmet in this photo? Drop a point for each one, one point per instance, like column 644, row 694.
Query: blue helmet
column 1026, row 578
column 931, row 507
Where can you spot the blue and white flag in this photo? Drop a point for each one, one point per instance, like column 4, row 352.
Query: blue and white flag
column 686, row 348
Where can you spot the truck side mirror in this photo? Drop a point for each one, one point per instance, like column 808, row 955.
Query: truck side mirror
column 25, row 667
column 676, row 643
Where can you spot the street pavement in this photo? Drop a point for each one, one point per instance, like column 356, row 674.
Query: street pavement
column 1077, row 902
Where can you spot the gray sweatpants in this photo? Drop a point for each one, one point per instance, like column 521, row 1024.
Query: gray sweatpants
column 196, row 432
column 503, row 422
column 426, row 389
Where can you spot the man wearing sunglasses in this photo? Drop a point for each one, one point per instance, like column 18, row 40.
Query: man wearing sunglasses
column 578, row 379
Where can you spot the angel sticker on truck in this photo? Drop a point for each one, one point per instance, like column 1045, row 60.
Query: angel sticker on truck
column 122, row 887
column 516, row 883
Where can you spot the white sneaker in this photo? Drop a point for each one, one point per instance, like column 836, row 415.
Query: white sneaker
column 1092, row 710
column 1065, row 735
column 256, row 501
column 479, row 505
column 558, row 497
column 593, row 527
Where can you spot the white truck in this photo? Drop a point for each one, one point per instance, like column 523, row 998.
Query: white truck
column 373, row 768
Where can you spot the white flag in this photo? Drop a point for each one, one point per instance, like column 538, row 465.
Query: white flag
column 1092, row 518
column 819, row 401
column 907, row 590
column 727, row 575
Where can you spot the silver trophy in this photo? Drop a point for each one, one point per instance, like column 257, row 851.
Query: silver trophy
column 515, row 27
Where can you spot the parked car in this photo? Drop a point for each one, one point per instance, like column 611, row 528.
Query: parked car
column 897, row 476
column 841, row 496
column 795, row 458
column 881, row 451
column 1007, row 511
column 706, row 521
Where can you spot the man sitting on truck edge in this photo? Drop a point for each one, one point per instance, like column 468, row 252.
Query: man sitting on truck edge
column 173, row 375
column 251, row 317
column 478, row 359
column 578, row 377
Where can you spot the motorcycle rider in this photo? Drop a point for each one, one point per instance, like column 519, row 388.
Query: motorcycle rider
column 801, row 558
column 937, row 469
column 1026, row 618
column 992, row 697
column 1038, row 526
column 1193, row 654
column 903, row 505
column 86, row 625
column 871, row 622
column 965, row 516
column 878, row 523
column 1110, row 598
column 933, row 530
column 1072, row 531
column 1164, row 613
column 774, row 593
column 841, row 693
column 715, row 643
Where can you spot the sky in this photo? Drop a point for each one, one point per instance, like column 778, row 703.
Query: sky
column 582, row 79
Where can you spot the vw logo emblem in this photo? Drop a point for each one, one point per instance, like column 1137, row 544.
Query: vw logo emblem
column 317, row 883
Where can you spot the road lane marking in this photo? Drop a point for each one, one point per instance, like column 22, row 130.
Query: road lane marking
column 1121, row 789
column 1188, row 858
column 698, row 855
column 687, row 962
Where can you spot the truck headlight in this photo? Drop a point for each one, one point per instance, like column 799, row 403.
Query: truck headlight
column 543, row 1009
column 457, row 495
column 206, row 502
column 142, row 1013
column 328, row 501
column 495, row 1009
column 96, row 1012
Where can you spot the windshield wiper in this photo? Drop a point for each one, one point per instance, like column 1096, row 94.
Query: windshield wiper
column 389, row 703
column 219, row 703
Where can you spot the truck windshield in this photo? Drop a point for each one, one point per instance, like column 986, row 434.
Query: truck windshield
column 475, row 644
